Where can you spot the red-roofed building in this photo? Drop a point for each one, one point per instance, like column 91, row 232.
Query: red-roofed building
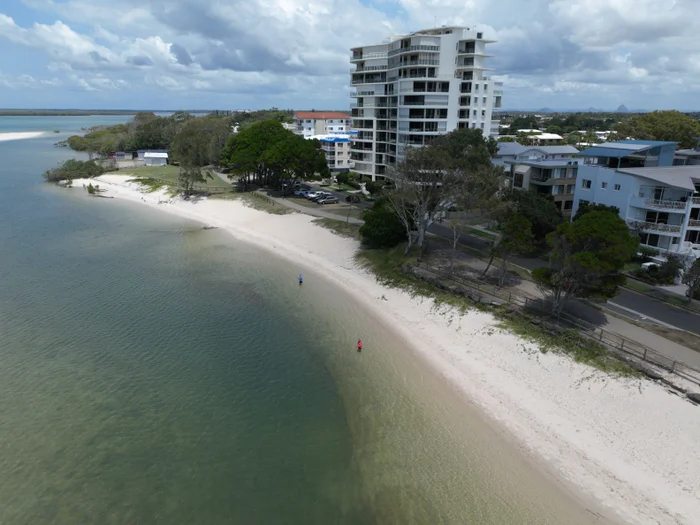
column 309, row 123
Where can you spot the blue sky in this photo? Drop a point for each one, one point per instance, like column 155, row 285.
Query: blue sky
column 230, row 54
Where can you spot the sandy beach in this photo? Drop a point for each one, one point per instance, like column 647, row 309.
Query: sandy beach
column 628, row 444
column 23, row 135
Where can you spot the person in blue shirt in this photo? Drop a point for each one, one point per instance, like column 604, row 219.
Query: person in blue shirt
column 301, row 279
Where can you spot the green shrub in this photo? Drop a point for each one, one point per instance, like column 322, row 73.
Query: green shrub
column 382, row 228
column 645, row 254
column 373, row 187
column 91, row 189
column 342, row 178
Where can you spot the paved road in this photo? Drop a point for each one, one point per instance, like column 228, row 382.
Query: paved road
column 628, row 303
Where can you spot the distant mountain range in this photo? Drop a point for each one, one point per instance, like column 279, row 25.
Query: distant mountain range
column 621, row 109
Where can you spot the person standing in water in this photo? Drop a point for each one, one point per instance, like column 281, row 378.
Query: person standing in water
column 301, row 279
column 359, row 345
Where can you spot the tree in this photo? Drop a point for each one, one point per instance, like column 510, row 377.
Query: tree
column 672, row 126
column 382, row 227
column 245, row 151
column 295, row 157
column 691, row 278
column 541, row 211
column 466, row 148
column 423, row 182
column 74, row 169
column 586, row 207
column 197, row 144
column 586, row 259
column 516, row 237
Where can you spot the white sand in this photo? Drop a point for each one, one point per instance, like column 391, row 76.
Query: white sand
column 20, row 135
column 629, row 444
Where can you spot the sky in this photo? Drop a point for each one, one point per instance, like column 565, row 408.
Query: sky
column 253, row 54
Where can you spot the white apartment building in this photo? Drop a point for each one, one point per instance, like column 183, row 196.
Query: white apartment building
column 336, row 147
column 414, row 87
column 309, row 123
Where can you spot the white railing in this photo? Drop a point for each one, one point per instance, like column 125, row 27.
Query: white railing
column 656, row 227
column 408, row 49
column 665, row 204
column 692, row 223
column 424, row 62
column 696, row 200
column 368, row 56
column 360, row 69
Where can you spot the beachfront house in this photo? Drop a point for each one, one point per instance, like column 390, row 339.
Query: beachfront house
column 155, row 158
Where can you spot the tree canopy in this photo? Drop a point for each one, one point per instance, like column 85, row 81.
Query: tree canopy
column 540, row 210
column 74, row 169
column 586, row 207
column 455, row 170
column 586, row 259
column 382, row 227
column 266, row 153
column 672, row 126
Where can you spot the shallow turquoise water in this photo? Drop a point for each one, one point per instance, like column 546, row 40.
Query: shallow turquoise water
column 152, row 371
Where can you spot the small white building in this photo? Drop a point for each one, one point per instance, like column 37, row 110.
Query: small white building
column 156, row 158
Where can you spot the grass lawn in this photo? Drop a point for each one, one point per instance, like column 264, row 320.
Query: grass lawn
column 166, row 173
column 254, row 200
column 341, row 228
column 480, row 233
column 638, row 287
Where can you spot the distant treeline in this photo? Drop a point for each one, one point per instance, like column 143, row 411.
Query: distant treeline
column 63, row 112
column 149, row 131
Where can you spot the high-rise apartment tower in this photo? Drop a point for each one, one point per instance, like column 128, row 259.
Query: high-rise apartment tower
column 413, row 87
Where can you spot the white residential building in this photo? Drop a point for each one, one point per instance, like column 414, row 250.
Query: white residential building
column 309, row 123
column 659, row 201
column 414, row 87
column 336, row 146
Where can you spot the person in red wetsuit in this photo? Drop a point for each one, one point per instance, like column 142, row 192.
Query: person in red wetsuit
column 359, row 345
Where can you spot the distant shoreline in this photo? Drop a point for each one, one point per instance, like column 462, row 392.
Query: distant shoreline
column 83, row 112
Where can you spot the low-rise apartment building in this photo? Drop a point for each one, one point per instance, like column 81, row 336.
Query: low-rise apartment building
column 309, row 123
column 659, row 201
column 336, row 147
column 546, row 170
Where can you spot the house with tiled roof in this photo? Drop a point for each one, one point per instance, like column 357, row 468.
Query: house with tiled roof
column 310, row 123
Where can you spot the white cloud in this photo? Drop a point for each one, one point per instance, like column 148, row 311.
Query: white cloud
column 299, row 51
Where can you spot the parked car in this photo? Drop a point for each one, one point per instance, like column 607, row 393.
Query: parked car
column 311, row 194
column 328, row 200
column 301, row 193
column 352, row 198
column 321, row 195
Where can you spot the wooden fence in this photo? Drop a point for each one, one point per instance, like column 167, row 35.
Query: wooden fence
column 617, row 343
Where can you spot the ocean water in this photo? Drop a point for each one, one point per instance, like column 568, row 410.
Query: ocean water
column 155, row 372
